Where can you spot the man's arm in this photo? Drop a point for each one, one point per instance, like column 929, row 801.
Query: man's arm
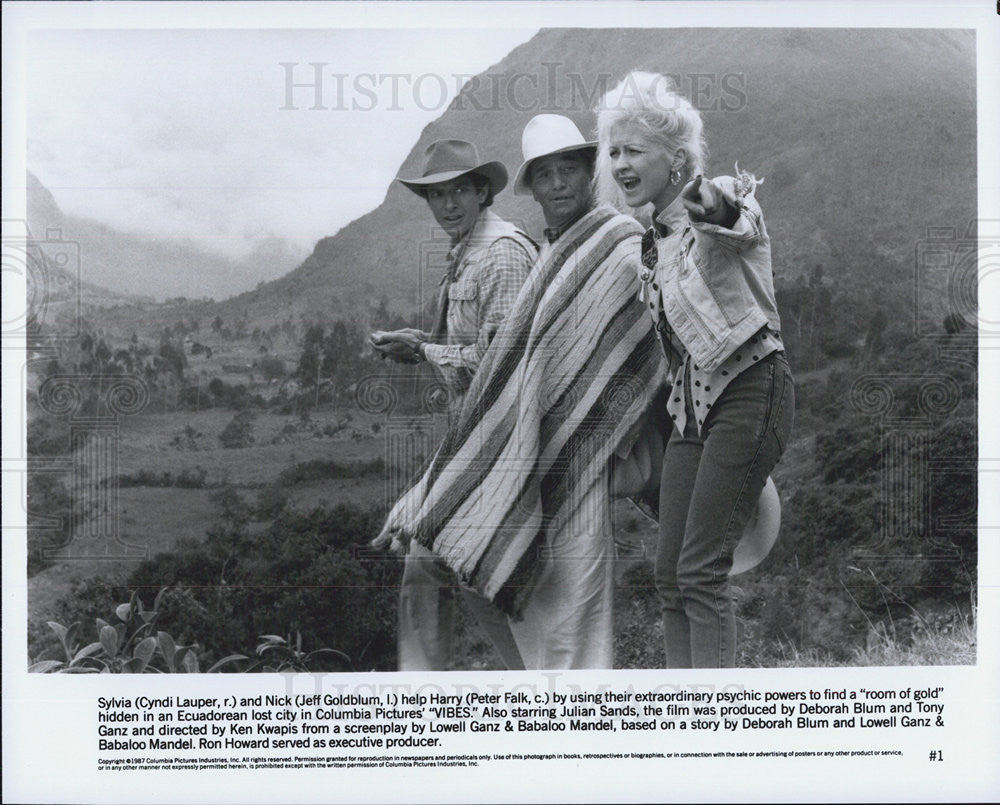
column 508, row 264
column 401, row 346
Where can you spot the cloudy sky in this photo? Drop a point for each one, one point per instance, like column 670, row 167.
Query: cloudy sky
column 196, row 133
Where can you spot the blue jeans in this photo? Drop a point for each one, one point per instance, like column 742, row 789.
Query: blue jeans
column 708, row 489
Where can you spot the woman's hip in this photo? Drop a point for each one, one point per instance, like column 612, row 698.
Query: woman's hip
column 757, row 406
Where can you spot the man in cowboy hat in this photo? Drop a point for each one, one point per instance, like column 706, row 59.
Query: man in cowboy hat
column 558, row 169
column 487, row 264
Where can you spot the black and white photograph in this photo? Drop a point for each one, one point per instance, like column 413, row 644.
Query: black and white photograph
column 369, row 355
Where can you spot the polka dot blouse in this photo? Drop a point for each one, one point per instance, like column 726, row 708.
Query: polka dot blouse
column 704, row 388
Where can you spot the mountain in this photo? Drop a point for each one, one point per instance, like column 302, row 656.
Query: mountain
column 53, row 277
column 142, row 266
column 42, row 210
column 866, row 138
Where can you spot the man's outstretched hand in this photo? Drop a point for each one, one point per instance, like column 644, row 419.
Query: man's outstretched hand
column 399, row 345
column 392, row 539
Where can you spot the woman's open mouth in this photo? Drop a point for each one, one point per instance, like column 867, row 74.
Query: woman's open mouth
column 629, row 183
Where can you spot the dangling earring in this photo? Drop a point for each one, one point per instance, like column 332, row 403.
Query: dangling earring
column 675, row 176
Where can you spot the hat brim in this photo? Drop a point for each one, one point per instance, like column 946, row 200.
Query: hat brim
column 494, row 172
column 760, row 533
column 521, row 186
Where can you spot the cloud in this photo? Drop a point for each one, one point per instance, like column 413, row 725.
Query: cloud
column 202, row 134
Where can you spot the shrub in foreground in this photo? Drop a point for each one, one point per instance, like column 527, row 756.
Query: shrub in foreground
column 301, row 572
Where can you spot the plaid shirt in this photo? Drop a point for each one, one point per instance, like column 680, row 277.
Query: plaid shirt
column 488, row 278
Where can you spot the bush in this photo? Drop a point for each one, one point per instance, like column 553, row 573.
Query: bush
column 49, row 518
column 322, row 469
column 129, row 644
column 47, row 435
column 271, row 501
column 272, row 368
column 303, row 572
column 849, row 452
column 239, row 432
column 188, row 478
column 232, row 396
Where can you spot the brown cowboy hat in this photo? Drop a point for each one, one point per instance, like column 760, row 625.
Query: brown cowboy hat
column 445, row 160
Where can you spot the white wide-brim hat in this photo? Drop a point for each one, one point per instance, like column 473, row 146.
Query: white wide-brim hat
column 760, row 533
column 546, row 135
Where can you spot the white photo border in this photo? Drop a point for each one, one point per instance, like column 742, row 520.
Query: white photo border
column 49, row 721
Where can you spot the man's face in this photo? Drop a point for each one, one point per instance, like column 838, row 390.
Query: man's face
column 560, row 183
column 456, row 204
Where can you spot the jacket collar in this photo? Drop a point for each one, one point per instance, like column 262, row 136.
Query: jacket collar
column 671, row 219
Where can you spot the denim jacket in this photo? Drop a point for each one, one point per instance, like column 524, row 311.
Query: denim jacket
column 715, row 285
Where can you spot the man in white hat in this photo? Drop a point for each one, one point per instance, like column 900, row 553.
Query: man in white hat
column 567, row 620
column 487, row 264
column 558, row 170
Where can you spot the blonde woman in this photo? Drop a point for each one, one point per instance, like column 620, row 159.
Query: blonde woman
column 708, row 286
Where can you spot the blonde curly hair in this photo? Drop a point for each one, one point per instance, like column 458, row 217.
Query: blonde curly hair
column 669, row 119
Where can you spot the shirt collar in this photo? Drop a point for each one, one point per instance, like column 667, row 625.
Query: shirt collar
column 458, row 249
column 553, row 233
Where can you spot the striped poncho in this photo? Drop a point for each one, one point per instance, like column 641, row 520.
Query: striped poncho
column 565, row 378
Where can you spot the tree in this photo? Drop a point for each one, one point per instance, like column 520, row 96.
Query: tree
column 124, row 358
column 273, row 368
column 309, row 370
column 102, row 352
column 333, row 357
column 171, row 359
column 874, row 341
column 239, row 431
